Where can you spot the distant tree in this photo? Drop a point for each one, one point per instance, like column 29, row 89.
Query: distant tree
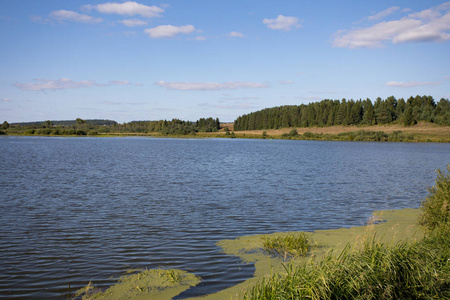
column 5, row 125
column 408, row 118
column 48, row 124
column 400, row 109
column 369, row 114
column 383, row 114
column 79, row 121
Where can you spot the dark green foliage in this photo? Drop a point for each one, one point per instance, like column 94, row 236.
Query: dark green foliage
column 436, row 207
column 2, row 132
column 94, row 127
column 348, row 112
column 5, row 125
column 79, row 121
column 408, row 118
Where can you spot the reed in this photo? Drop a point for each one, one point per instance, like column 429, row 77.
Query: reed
column 291, row 245
column 419, row 270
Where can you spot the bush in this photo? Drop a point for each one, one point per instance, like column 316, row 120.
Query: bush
column 293, row 132
column 436, row 207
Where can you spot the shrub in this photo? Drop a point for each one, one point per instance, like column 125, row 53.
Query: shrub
column 436, row 207
column 308, row 134
column 293, row 132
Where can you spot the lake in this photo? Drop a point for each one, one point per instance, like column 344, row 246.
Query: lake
column 75, row 210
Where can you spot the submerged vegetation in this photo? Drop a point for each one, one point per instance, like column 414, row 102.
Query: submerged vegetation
column 377, row 270
column 143, row 284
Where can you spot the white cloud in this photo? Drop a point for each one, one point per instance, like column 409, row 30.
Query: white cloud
column 119, row 82
column 285, row 82
column 383, row 13
column 168, row 31
column 129, row 8
column 282, row 23
column 210, row 86
column 133, row 22
column 63, row 83
column 67, row 15
column 410, row 84
column 236, row 34
column 430, row 25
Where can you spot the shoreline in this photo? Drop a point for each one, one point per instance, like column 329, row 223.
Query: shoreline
column 388, row 226
column 422, row 133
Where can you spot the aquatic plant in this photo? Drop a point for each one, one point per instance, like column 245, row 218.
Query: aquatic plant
column 419, row 270
column 292, row 245
column 378, row 271
column 143, row 284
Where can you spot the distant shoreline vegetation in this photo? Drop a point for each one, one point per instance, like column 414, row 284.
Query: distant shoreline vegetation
column 369, row 121
column 80, row 127
column 349, row 112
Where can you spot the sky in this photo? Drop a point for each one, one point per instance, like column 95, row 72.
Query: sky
column 149, row 60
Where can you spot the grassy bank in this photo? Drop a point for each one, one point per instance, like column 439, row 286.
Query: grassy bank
column 393, row 257
column 422, row 132
column 399, row 254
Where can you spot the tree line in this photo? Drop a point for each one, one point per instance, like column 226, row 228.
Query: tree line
column 349, row 112
column 95, row 127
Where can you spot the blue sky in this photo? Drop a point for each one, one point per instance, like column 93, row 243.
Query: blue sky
column 147, row 60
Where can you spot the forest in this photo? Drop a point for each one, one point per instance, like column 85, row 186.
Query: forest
column 82, row 127
column 349, row 112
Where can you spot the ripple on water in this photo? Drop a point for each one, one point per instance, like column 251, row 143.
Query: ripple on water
column 76, row 210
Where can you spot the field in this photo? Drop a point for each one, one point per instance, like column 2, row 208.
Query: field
column 423, row 131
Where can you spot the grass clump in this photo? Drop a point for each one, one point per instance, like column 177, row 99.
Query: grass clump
column 405, row 270
column 378, row 271
column 436, row 207
column 292, row 245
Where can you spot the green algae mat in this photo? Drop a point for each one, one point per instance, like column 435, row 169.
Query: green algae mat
column 389, row 226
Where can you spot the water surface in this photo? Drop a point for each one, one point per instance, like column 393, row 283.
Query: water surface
column 81, row 209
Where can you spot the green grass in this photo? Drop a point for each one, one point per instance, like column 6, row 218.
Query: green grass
column 377, row 270
column 292, row 245
column 436, row 207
